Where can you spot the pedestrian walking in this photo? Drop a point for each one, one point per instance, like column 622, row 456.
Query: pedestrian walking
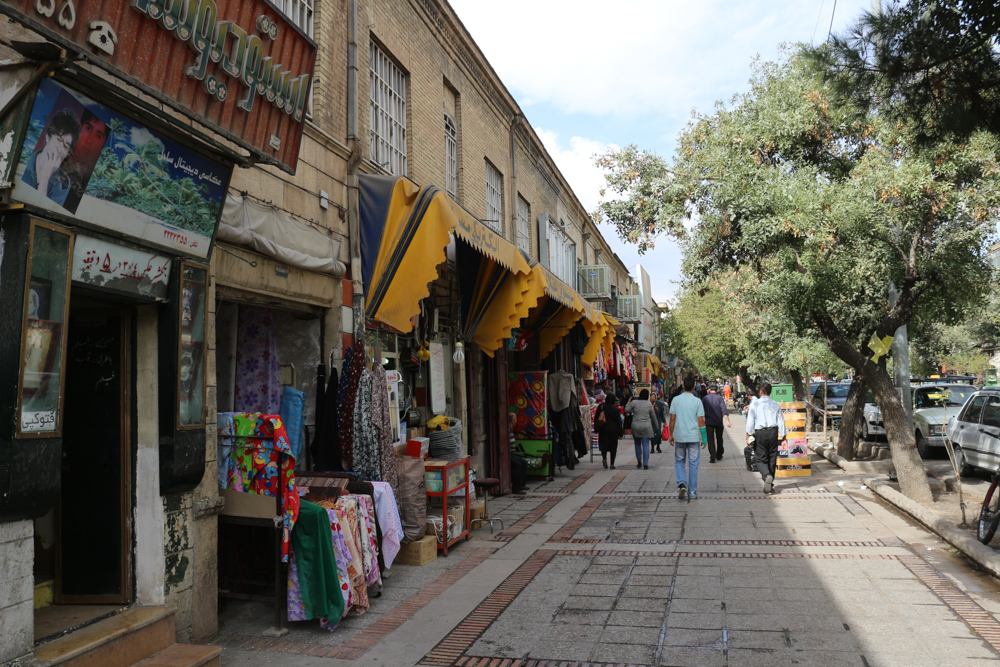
column 715, row 412
column 608, row 422
column 727, row 392
column 687, row 432
column 660, row 407
column 766, row 423
column 644, row 424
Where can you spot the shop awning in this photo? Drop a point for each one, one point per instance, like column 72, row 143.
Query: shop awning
column 405, row 230
column 498, row 299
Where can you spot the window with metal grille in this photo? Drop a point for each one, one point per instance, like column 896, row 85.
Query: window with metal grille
column 494, row 199
column 387, row 121
column 299, row 12
column 523, row 225
column 450, row 157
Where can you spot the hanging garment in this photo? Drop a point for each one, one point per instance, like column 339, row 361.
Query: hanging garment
column 367, row 453
column 561, row 390
column 258, row 373
column 388, row 519
column 382, row 419
column 348, row 427
column 319, row 585
column 293, row 403
column 326, row 443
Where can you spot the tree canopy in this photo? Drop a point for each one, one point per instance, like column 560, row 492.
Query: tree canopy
column 812, row 205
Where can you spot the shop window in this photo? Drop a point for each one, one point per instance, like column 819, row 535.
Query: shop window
column 192, row 352
column 523, row 225
column 387, row 118
column 43, row 338
column 494, row 199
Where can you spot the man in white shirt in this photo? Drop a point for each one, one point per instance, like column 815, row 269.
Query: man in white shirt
column 766, row 423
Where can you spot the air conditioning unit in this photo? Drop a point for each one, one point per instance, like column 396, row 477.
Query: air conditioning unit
column 630, row 308
column 595, row 282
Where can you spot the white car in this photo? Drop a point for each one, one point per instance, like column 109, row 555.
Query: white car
column 975, row 432
column 871, row 423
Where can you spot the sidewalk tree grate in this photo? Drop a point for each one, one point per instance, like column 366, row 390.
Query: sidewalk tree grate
column 451, row 649
column 977, row 618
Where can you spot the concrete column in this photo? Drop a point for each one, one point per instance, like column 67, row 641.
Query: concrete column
column 149, row 558
column 17, row 590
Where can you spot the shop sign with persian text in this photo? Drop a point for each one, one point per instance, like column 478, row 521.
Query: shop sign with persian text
column 239, row 66
column 108, row 265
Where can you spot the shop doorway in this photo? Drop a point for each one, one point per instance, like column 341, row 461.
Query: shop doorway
column 90, row 553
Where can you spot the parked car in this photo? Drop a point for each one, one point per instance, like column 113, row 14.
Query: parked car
column 830, row 397
column 932, row 406
column 871, row 419
column 975, row 431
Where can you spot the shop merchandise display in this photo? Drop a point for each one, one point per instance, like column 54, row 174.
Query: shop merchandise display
column 527, row 396
column 257, row 367
column 255, row 457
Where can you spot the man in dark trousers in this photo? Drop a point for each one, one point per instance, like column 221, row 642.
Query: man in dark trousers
column 766, row 423
column 715, row 410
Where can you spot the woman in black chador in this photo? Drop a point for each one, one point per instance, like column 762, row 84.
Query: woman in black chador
column 611, row 431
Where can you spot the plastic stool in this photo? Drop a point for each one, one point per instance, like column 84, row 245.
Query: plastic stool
column 484, row 486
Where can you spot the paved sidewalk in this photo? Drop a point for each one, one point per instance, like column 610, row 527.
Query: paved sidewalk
column 608, row 567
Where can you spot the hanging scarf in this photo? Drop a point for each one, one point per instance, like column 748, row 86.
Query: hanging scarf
column 367, row 455
column 382, row 419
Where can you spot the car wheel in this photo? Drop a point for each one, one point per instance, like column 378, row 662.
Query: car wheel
column 922, row 445
column 866, row 435
column 964, row 468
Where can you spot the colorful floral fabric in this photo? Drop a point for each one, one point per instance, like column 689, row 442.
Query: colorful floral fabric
column 528, row 398
column 347, row 511
column 388, row 519
column 370, row 541
column 382, row 419
column 258, row 459
column 258, row 373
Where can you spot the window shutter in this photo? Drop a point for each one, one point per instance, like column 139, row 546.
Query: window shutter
column 574, row 269
column 543, row 239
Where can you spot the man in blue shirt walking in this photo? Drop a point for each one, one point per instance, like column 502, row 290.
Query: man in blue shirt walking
column 687, row 432
column 766, row 423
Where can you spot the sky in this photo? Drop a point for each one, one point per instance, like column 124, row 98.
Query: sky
column 591, row 75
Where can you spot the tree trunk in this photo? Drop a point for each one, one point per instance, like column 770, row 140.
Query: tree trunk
column 850, row 419
column 748, row 382
column 798, row 386
column 905, row 457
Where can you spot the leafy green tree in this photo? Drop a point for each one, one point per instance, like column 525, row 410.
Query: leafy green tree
column 931, row 64
column 814, row 206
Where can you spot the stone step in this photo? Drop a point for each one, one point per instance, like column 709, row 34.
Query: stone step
column 184, row 655
column 119, row 641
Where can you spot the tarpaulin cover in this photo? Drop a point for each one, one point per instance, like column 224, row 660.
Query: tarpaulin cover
column 274, row 233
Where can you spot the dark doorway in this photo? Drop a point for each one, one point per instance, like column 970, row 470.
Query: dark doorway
column 93, row 543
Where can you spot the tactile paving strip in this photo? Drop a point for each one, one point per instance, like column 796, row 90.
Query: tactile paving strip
column 577, row 482
column 451, row 649
column 965, row 607
column 735, row 543
column 721, row 554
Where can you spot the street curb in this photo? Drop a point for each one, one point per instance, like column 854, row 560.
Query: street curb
column 986, row 557
column 854, row 467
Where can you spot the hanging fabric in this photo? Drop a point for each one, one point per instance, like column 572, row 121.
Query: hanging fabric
column 258, row 374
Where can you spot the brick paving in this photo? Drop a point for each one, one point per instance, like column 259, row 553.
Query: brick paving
column 608, row 568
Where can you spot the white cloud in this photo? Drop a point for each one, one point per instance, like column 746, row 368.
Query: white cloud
column 576, row 162
column 638, row 56
column 141, row 136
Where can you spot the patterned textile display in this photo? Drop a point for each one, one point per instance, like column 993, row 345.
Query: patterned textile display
column 296, row 608
column 256, row 457
column 316, row 566
column 258, row 373
column 367, row 453
column 382, row 419
column 349, row 380
column 347, row 511
column 373, row 576
column 527, row 397
column 388, row 518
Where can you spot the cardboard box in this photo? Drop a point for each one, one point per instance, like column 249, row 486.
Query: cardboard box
column 456, row 520
column 418, row 552
column 477, row 510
